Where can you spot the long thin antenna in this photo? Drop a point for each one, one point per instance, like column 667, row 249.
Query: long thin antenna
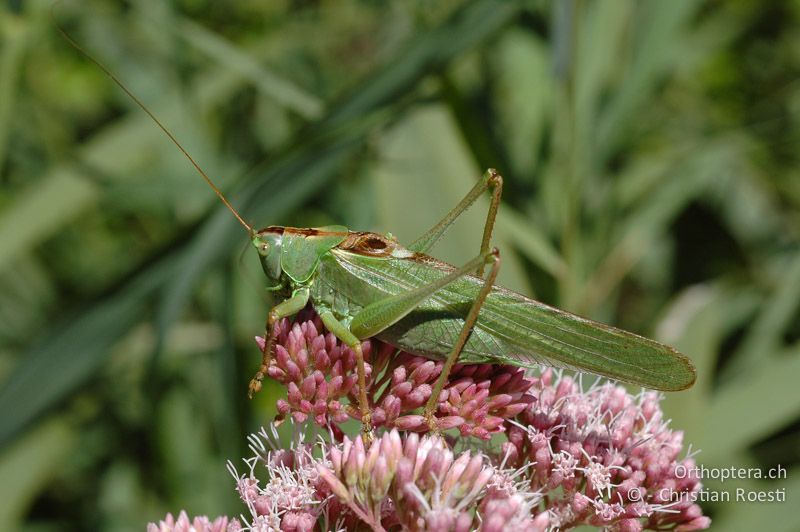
column 144, row 108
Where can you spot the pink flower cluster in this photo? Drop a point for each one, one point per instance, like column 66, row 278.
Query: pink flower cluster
column 198, row 524
column 418, row 484
column 570, row 456
column 320, row 377
column 294, row 498
column 407, row 482
column 608, row 458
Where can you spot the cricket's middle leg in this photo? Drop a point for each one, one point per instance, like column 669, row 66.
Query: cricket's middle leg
column 466, row 330
column 343, row 333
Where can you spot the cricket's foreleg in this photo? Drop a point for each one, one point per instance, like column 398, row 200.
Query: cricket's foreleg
column 466, row 330
column 490, row 180
column 291, row 306
column 343, row 333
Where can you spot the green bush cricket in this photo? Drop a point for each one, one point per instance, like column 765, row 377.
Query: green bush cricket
column 365, row 285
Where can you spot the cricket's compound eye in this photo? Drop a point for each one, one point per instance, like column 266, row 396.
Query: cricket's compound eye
column 262, row 244
column 268, row 245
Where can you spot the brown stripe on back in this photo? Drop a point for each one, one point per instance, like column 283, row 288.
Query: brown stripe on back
column 304, row 231
column 310, row 231
column 274, row 229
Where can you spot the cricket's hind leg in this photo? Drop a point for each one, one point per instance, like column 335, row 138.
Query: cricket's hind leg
column 287, row 308
column 491, row 181
column 380, row 315
column 466, row 331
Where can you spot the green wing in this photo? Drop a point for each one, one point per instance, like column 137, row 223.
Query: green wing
column 511, row 328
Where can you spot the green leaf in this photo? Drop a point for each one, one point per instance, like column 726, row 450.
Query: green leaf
column 67, row 355
column 28, row 466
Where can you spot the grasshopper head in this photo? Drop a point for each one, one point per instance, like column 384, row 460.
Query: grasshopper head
column 268, row 244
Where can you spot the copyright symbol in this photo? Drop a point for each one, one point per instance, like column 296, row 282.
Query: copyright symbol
column 635, row 495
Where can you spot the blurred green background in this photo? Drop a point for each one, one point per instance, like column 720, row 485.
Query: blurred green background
column 650, row 151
